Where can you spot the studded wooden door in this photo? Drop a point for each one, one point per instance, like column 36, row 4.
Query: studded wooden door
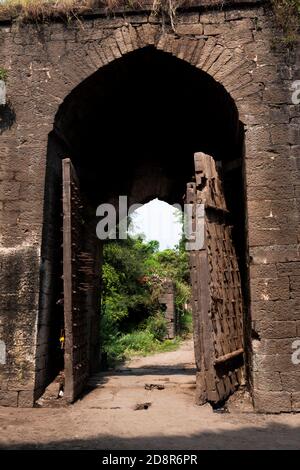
column 216, row 287
column 77, row 275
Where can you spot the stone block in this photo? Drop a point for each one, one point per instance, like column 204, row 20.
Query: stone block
column 284, row 134
column 272, row 402
column 212, row 17
column 273, row 347
column 289, row 269
column 284, row 362
column 9, row 190
column 278, row 310
column 274, row 254
column 267, row 192
column 277, row 329
column 267, row 381
column 8, row 398
column 234, row 15
column 215, row 29
column 187, row 18
column 191, row 29
column 275, row 94
column 291, row 381
column 295, row 287
column 273, row 212
column 271, row 236
column 26, row 398
column 257, row 137
column 296, row 402
column 263, row 271
column 270, row 289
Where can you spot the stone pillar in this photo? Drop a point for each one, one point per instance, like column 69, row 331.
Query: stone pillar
column 167, row 300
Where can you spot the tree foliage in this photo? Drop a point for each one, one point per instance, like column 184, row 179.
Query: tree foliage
column 132, row 275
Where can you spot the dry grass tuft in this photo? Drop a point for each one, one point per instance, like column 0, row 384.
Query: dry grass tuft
column 28, row 10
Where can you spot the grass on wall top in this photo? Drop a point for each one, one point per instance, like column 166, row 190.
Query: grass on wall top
column 286, row 12
column 39, row 9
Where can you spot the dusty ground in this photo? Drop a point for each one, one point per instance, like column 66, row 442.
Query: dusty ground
column 106, row 417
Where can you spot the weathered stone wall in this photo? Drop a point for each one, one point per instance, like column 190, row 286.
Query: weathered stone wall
column 167, row 299
column 239, row 47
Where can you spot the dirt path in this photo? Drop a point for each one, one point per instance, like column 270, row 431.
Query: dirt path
column 107, row 418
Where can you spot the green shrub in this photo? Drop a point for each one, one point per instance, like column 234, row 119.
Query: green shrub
column 169, row 345
column 138, row 341
column 157, row 326
column 132, row 322
column 185, row 323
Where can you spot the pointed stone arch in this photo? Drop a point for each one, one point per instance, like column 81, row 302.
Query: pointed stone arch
column 92, row 87
column 229, row 66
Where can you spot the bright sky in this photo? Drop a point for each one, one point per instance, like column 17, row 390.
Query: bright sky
column 157, row 221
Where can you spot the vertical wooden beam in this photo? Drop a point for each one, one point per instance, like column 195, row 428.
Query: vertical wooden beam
column 67, row 273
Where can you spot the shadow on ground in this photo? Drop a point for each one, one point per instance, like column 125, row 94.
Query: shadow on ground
column 152, row 370
column 272, row 436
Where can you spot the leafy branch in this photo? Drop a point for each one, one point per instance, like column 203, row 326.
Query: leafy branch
column 3, row 74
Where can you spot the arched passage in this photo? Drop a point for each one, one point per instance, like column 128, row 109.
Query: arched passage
column 132, row 129
column 146, row 110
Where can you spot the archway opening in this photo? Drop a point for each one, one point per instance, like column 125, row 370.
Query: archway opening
column 146, row 293
column 132, row 129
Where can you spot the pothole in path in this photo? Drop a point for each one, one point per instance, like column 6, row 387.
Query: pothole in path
column 154, row 386
column 142, row 406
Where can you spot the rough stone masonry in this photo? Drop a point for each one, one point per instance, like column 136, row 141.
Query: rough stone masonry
column 235, row 42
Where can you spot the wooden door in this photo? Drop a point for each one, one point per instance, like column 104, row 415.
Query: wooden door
column 77, row 272
column 216, row 288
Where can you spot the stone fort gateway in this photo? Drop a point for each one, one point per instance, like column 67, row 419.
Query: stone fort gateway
column 194, row 106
